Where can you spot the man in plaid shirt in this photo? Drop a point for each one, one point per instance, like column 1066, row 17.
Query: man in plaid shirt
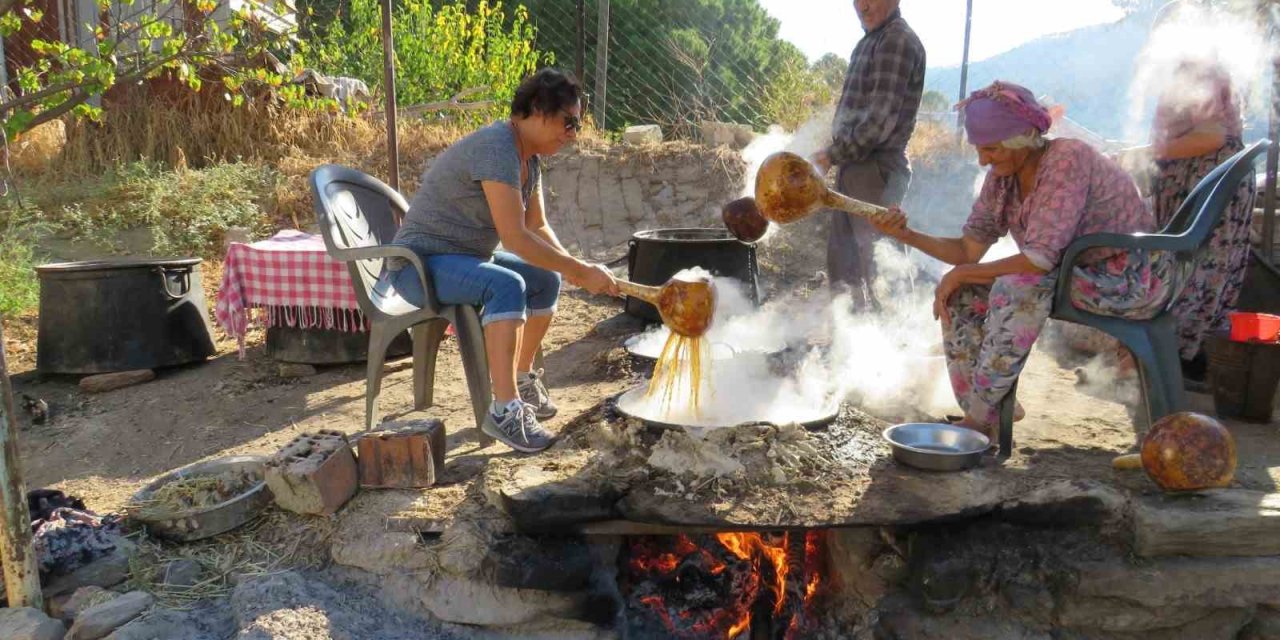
column 874, row 121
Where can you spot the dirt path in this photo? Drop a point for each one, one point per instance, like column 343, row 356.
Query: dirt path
column 103, row 447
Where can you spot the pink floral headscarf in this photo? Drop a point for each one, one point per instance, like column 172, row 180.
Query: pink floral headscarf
column 1001, row 111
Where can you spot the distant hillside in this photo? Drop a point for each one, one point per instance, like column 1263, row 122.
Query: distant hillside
column 1087, row 70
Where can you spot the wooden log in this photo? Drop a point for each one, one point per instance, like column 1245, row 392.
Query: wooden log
column 21, row 575
column 104, row 382
column 1221, row 522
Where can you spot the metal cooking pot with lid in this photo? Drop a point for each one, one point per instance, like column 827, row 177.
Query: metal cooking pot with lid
column 655, row 255
column 122, row 314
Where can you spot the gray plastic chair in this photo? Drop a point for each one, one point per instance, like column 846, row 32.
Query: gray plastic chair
column 358, row 216
column 1153, row 341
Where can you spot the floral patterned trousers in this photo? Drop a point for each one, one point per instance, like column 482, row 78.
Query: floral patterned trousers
column 993, row 327
column 1213, row 288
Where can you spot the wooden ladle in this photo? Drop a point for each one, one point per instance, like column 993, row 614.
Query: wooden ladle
column 788, row 188
column 686, row 304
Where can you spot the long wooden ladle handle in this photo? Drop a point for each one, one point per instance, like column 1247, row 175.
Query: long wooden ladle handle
column 644, row 292
column 842, row 202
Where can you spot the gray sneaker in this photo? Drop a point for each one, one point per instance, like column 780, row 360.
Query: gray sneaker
column 518, row 429
column 533, row 392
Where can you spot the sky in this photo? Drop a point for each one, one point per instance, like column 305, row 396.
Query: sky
column 822, row 26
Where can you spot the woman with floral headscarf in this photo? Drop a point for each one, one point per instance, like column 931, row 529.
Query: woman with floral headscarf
column 1045, row 193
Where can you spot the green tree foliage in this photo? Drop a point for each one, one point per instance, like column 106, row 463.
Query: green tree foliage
column 131, row 44
column 797, row 92
column 675, row 62
column 831, row 68
column 440, row 51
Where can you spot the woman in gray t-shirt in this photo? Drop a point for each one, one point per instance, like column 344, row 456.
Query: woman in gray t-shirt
column 486, row 189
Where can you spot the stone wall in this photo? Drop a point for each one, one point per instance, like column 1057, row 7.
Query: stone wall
column 599, row 194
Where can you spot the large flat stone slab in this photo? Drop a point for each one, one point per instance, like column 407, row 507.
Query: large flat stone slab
column 1190, row 582
column 887, row 495
column 551, row 492
column 763, row 476
column 1223, row 522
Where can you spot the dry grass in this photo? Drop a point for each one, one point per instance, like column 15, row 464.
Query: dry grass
column 20, row 341
column 34, row 151
column 278, row 541
column 205, row 129
column 205, row 132
column 934, row 142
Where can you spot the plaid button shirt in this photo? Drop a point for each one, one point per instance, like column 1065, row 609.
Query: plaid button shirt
column 882, row 89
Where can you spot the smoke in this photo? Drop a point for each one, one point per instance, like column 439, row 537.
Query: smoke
column 810, row 138
column 888, row 362
column 741, row 327
column 1198, row 34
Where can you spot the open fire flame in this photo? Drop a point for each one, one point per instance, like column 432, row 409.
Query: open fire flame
column 720, row 586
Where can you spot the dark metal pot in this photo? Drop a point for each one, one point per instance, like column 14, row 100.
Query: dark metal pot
column 654, row 256
column 327, row 346
column 122, row 314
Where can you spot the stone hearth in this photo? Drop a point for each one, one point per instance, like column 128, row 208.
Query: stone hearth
column 1033, row 546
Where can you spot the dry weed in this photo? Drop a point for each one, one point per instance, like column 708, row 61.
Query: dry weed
column 34, row 151
column 278, row 541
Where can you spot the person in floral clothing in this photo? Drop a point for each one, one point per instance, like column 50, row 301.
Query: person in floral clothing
column 1197, row 127
column 1045, row 193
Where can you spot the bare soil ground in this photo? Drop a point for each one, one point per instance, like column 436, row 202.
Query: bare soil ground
column 104, row 447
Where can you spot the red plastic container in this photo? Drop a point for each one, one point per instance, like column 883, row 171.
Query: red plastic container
column 1254, row 327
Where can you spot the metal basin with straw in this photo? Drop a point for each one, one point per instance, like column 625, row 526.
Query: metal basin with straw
column 686, row 303
column 788, row 188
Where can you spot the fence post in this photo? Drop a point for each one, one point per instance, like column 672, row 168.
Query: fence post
column 1273, row 158
column 581, row 69
column 389, row 85
column 602, row 64
column 21, row 576
column 964, row 67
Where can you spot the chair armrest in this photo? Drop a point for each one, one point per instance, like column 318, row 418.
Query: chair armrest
column 1128, row 241
column 392, row 251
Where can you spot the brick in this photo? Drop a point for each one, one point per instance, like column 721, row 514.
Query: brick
column 314, row 474
column 402, row 455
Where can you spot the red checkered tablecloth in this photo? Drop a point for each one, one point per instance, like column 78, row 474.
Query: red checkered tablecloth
column 293, row 279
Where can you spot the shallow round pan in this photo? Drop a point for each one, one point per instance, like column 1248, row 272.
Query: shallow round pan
column 936, row 447
column 719, row 350
column 207, row 522
column 628, row 401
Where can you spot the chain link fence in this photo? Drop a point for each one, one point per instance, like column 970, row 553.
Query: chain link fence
column 679, row 63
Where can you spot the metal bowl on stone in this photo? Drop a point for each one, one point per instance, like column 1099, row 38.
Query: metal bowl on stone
column 632, row 405
column 206, row 522
column 936, row 447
